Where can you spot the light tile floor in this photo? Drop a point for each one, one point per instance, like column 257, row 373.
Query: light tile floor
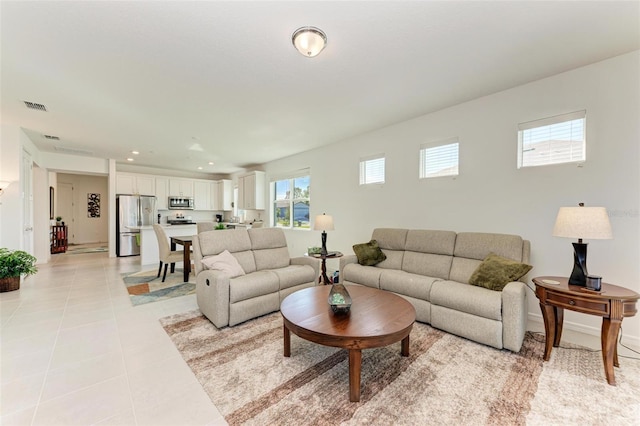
column 76, row 352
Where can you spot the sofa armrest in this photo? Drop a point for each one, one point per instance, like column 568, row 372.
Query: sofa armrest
column 346, row 260
column 212, row 295
column 307, row 260
column 514, row 315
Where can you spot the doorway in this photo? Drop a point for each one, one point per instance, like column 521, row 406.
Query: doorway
column 65, row 208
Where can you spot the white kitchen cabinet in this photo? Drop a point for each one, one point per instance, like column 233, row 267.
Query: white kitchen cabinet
column 222, row 195
column 130, row 183
column 251, row 191
column 202, row 191
column 183, row 187
column 162, row 193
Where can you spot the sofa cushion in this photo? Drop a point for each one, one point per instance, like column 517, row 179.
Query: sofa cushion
column 224, row 262
column 429, row 241
column 405, row 283
column 477, row 245
column 369, row 254
column 390, row 238
column 431, row 265
column 495, row 272
column 365, row 275
column 253, row 285
column 467, row 298
column 293, row 275
column 215, row 242
column 269, row 248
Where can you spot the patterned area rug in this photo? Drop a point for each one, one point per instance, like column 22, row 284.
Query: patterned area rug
column 445, row 379
column 145, row 287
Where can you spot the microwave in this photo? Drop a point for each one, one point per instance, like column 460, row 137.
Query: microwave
column 180, row 203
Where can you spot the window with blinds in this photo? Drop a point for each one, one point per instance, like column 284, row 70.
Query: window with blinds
column 372, row 170
column 553, row 140
column 439, row 159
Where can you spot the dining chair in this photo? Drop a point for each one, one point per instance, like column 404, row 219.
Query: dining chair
column 256, row 224
column 167, row 256
column 205, row 226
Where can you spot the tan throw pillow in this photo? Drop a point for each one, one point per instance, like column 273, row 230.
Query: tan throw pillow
column 369, row 254
column 495, row 272
column 224, row 262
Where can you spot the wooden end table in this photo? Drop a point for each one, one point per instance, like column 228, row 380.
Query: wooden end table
column 377, row 318
column 324, row 279
column 612, row 303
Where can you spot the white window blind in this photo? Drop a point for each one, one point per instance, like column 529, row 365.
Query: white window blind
column 553, row 140
column 439, row 158
column 372, row 170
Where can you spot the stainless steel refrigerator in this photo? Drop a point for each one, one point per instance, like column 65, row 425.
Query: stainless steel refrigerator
column 133, row 211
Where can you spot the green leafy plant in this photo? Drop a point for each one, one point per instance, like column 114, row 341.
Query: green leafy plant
column 14, row 263
column 58, row 218
column 220, row 226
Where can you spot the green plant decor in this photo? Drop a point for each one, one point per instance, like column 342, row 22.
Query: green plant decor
column 14, row 263
column 220, row 226
column 58, row 218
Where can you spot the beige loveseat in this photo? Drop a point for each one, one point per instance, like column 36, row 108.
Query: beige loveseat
column 269, row 274
column 431, row 269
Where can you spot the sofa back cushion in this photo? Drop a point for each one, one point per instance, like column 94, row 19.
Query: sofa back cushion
column 236, row 241
column 392, row 242
column 429, row 253
column 472, row 247
column 269, row 247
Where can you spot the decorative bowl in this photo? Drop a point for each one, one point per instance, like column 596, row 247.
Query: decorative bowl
column 339, row 299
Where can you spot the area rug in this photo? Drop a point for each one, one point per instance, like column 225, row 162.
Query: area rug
column 445, row 380
column 84, row 250
column 146, row 287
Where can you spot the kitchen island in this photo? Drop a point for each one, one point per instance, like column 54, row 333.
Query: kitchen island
column 149, row 251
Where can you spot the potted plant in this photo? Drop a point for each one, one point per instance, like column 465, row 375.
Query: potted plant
column 58, row 220
column 13, row 264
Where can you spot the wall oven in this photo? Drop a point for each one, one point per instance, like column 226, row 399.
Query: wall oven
column 180, row 203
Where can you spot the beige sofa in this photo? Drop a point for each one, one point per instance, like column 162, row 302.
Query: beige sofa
column 270, row 274
column 431, row 269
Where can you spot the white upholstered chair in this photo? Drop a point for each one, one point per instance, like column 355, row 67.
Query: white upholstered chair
column 205, row 226
column 166, row 255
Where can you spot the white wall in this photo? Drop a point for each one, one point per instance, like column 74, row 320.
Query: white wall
column 491, row 194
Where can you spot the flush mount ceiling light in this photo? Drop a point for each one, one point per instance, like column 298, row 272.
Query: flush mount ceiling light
column 309, row 41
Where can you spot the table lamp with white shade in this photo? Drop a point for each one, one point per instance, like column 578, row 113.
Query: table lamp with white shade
column 324, row 223
column 591, row 223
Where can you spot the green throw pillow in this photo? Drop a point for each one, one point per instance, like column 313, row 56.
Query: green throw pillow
column 369, row 254
column 495, row 272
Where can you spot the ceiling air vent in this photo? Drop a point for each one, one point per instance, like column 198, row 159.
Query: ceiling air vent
column 33, row 105
column 51, row 137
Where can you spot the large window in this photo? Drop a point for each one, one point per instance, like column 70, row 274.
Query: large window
column 372, row 170
column 554, row 140
column 291, row 202
column 439, row 158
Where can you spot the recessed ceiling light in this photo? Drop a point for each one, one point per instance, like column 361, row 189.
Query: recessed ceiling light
column 200, row 168
column 211, row 163
column 135, row 152
column 129, row 159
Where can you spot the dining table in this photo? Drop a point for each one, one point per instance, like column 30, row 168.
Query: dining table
column 184, row 241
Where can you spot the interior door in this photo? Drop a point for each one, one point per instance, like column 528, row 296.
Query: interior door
column 27, row 200
column 65, row 208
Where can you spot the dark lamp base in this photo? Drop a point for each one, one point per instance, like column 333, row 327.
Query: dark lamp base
column 579, row 273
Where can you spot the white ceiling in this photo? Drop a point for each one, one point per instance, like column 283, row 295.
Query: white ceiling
column 188, row 83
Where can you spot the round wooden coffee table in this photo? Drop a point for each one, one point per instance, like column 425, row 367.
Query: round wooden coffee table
column 377, row 318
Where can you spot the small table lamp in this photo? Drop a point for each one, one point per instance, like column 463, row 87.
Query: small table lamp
column 323, row 223
column 582, row 222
